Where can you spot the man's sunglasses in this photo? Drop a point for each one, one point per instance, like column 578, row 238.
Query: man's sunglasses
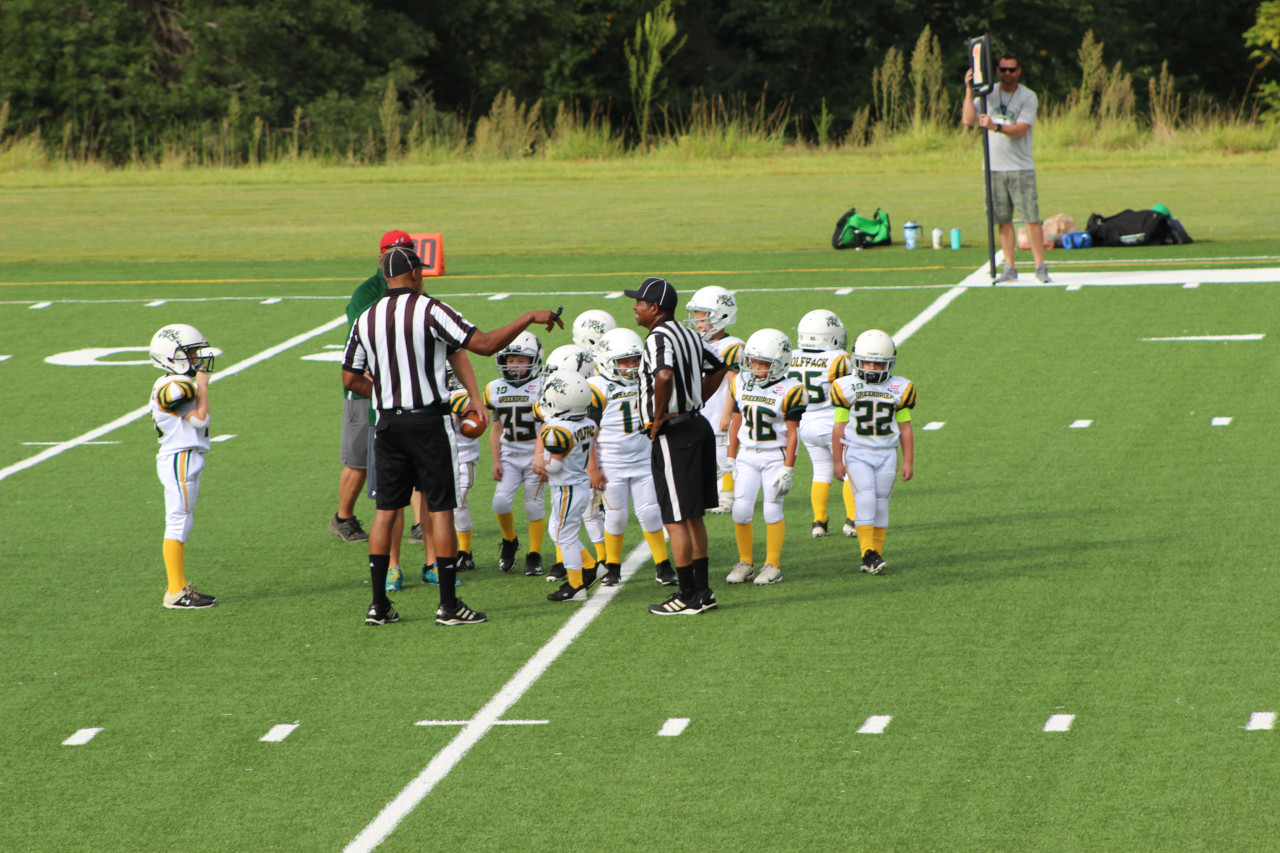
column 1003, row 70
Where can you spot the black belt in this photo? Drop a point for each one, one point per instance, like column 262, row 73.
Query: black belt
column 433, row 409
column 680, row 418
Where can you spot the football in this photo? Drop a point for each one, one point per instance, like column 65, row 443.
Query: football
column 471, row 428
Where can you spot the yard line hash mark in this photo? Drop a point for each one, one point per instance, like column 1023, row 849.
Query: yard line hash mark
column 673, row 727
column 37, row 306
column 1220, row 422
column 82, row 737
column 1059, row 723
column 1080, row 424
column 1261, row 721
column 278, row 733
column 934, row 425
column 495, row 722
column 1253, row 337
column 875, row 724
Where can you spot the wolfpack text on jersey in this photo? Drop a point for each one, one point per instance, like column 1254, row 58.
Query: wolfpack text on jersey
column 816, row 371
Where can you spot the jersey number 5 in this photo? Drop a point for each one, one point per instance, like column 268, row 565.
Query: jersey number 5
column 517, row 423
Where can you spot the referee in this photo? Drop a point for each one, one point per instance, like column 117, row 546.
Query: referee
column 396, row 356
column 677, row 372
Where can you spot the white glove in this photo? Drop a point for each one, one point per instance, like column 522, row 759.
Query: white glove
column 782, row 482
column 730, row 465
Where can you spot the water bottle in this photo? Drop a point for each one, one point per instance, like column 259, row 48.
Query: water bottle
column 937, row 238
column 911, row 234
column 955, row 238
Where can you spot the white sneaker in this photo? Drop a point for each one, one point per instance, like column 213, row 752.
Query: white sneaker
column 741, row 573
column 769, row 574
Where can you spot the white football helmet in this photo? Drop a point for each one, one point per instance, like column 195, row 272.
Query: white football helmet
column 526, row 344
column 569, row 358
column 564, row 395
column 821, row 330
column 591, row 326
column 616, row 345
column 720, row 306
column 768, row 345
column 875, row 345
column 181, row 349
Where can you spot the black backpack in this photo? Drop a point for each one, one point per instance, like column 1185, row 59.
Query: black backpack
column 1132, row 228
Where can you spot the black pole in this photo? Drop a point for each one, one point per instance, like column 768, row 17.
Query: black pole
column 986, row 177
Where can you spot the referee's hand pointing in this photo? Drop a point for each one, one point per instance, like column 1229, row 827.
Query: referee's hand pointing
column 550, row 319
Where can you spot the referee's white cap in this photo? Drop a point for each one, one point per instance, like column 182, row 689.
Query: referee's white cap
column 658, row 291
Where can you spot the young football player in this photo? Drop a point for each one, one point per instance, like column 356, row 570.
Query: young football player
column 878, row 406
column 767, row 407
column 820, row 359
column 712, row 310
column 620, row 465
column 591, row 326
column 180, row 410
column 567, row 437
column 468, row 456
column 513, row 439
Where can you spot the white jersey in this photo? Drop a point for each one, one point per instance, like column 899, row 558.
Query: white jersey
column 513, row 413
column 468, row 448
column 766, row 410
column 816, row 371
column 621, row 439
column 874, row 410
column 727, row 349
column 572, row 439
column 173, row 397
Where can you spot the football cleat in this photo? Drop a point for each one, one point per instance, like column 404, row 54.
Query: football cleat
column 706, row 600
column 187, row 599
column 769, row 574
column 612, row 574
column 430, row 576
column 820, row 529
column 465, row 563
column 415, row 533
column 567, row 592
column 849, row 529
column 557, row 573
column 394, row 578
column 532, row 564
column 664, row 574
column 872, row 562
column 741, row 572
column 507, row 554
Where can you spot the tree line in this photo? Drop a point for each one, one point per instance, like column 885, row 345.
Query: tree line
column 102, row 78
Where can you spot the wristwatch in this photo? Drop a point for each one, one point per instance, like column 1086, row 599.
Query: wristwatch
column 999, row 128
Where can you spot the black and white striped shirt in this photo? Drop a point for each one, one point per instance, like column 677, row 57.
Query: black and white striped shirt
column 403, row 341
column 673, row 345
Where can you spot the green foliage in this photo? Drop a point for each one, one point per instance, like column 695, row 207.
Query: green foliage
column 509, row 131
column 887, row 82
column 1264, row 38
column 645, row 59
column 1165, row 102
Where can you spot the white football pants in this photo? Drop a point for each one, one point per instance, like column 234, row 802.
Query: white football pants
column 517, row 471
column 180, row 475
column 756, row 470
column 871, row 474
column 568, row 503
column 634, row 482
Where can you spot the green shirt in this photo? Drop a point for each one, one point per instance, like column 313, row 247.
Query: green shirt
column 366, row 295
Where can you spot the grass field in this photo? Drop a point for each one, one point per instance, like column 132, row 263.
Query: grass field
column 1120, row 573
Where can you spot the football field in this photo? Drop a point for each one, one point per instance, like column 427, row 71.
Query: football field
column 1073, row 647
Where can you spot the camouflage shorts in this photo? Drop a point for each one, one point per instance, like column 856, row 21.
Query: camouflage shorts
column 1015, row 189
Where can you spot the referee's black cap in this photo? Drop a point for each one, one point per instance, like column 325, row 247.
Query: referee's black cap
column 398, row 261
column 658, row 291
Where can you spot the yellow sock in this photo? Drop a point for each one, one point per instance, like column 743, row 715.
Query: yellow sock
column 588, row 561
column 657, row 546
column 575, row 577
column 537, row 532
column 744, row 534
column 464, row 540
column 507, row 524
column 866, row 537
column 818, row 496
column 601, row 552
column 613, row 547
column 726, row 483
column 850, row 508
column 773, row 534
column 878, row 540
column 175, row 564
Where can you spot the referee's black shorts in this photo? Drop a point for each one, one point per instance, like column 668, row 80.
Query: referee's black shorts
column 416, row 450
column 684, row 469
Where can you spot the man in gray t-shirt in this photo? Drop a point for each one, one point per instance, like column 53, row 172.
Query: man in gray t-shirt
column 1011, row 117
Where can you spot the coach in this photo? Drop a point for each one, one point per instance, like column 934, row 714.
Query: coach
column 396, row 356
column 677, row 373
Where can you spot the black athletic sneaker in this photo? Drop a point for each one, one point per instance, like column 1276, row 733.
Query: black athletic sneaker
column 188, row 598
column 415, row 533
column 567, row 592
column 532, row 564
column 676, row 606
column 612, row 574
column 465, row 563
column 872, row 563
column 557, row 573
column 461, row 614
column 819, row 529
column 348, row 529
column 373, row 617
column 507, row 554
column 706, row 600
column 664, row 574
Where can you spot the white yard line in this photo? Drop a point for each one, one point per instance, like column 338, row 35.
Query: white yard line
column 130, row 417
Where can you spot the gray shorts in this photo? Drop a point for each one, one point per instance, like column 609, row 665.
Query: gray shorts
column 1015, row 189
column 355, row 433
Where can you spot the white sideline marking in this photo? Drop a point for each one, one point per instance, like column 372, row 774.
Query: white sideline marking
column 844, row 291
column 1220, row 422
column 335, row 357
column 275, row 300
column 224, row 437
column 617, row 294
column 1059, row 723
column 934, row 309
column 56, row 443
column 1261, row 275
column 156, row 304
column 495, row 722
column 498, row 297
column 673, row 727
column 934, row 425
column 37, row 306
column 1080, row 424
column 5, row 357
column 489, row 716
column 875, row 725
column 1191, row 285
column 130, row 417
column 1261, row 721
column 1255, row 337
column 82, row 737
column 1076, row 286
column 278, row 733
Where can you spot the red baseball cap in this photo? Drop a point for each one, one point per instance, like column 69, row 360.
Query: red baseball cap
column 394, row 238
